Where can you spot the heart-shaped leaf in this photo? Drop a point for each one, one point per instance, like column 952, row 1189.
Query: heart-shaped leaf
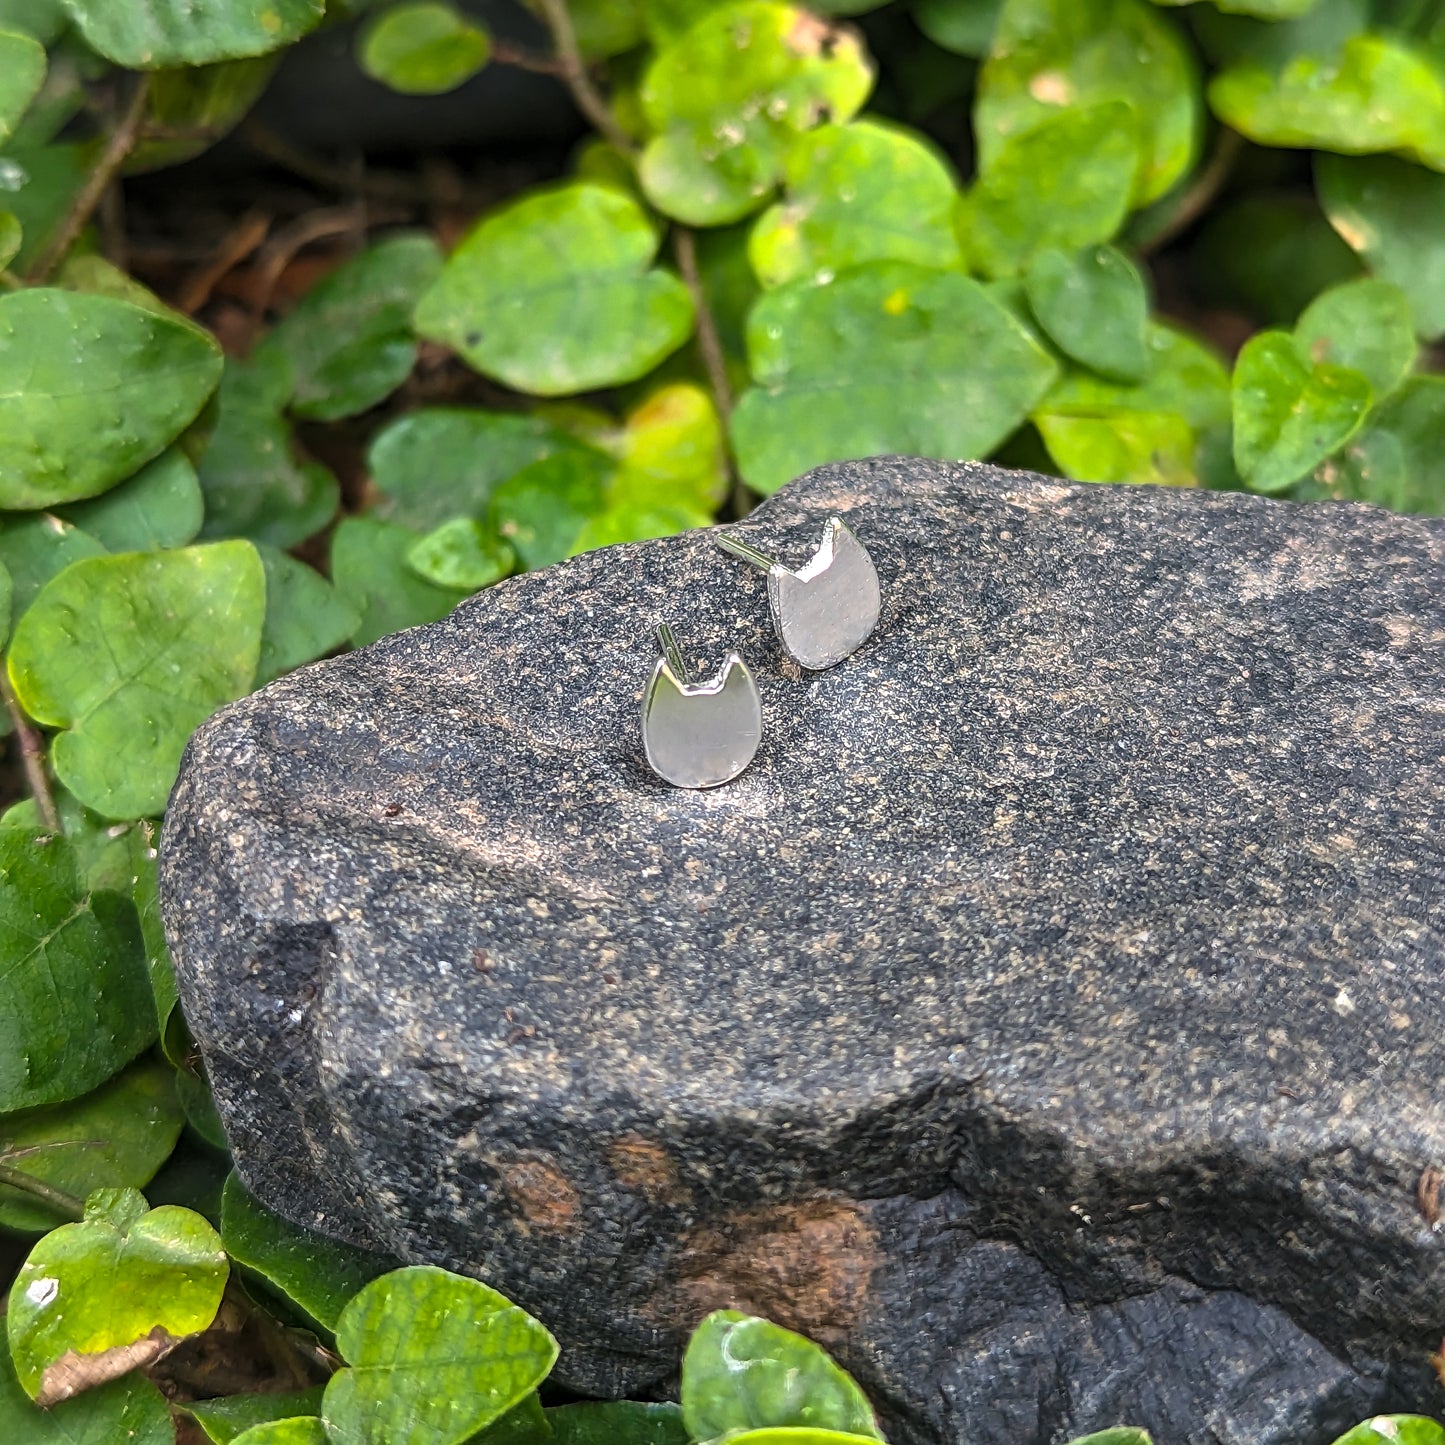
column 22, row 73
column 1094, row 306
column 161, row 506
column 1395, row 1430
column 130, row 1410
column 157, row 34
column 432, row 1358
column 1288, row 415
column 306, row 616
column 1397, row 459
column 423, row 47
column 368, row 566
column 130, row 654
column 556, row 293
column 541, row 511
column 1120, row 446
column 1364, row 325
column 226, row 1418
column 463, row 554
column 95, row 1300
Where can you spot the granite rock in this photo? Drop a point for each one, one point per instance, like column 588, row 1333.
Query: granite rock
column 1050, row 1021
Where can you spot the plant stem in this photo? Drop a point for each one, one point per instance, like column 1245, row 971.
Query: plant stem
column 122, row 141
column 32, row 757
column 506, row 54
column 56, row 1199
column 579, row 82
column 1200, row 196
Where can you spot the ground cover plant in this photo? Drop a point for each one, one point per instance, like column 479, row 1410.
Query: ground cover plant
column 1117, row 240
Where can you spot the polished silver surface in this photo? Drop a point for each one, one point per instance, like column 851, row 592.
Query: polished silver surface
column 698, row 735
column 824, row 611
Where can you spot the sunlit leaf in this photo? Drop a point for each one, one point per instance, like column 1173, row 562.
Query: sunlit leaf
column 1365, row 325
column 423, row 47
column 1120, row 446
column 463, row 554
column 154, row 34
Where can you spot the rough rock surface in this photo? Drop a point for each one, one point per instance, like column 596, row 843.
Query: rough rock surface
column 1050, row 1021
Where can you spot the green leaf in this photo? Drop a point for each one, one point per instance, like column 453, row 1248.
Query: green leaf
column 1395, row 1430
column 742, row 1373
column 7, row 593
column 1121, row 446
column 226, row 1418
column 155, row 34
column 34, row 547
column 306, row 617
column 1373, row 94
column 131, row 654
column 462, row 554
column 867, row 191
column 797, row 1435
column 621, row 1422
column 433, row 1358
column 1365, row 325
column 42, row 20
column 1094, row 306
column 542, row 510
column 670, row 449
column 964, row 26
column 254, row 485
column 556, row 293
column 158, row 508
column 302, row 1431
column 831, row 363
column 1393, row 214
column 423, row 47
column 350, row 342
column 1398, row 459
column 1053, row 54
column 12, row 237
column 1288, row 415
column 368, row 566
column 317, row 1274
column 198, row 105
column 605, row 28
column 130, row 1410
column 145, row 893
column 1122, row 1435
column 39, row 184
column 727, row 98
column 22, row 73
column 115, row 1136
column 1063, row 183
column 77, row 996
column 91, row 389
column 196, row 1099
column 103, row 850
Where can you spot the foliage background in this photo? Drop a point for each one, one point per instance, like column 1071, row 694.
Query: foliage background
column 1119, row 240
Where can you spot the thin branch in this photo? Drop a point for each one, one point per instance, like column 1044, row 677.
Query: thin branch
column 1200, row 196
column 341, row 179
column 47, row 1194
column 579, row 82
column 107, row 169
column 505, row 53
column 32, row 757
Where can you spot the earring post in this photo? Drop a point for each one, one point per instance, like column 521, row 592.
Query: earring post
column 743, row 550
column 671, row 652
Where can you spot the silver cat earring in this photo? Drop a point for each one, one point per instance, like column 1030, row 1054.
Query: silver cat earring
column 824, row 611
column 697, row 735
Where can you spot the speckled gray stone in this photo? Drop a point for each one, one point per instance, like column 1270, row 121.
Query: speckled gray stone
column 1051, row 1020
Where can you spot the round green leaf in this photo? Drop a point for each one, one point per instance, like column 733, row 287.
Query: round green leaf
column 1288, row 415
column 1053, row 54
column 318, row 1274
column 1395, row 1430
column 77, row 995
column 158, row 508
column 541, row 511
column 742, row 1373
column 130, row 1410
column 963, row 26
column 1393, row 214
column 89, row 1291
column 1398, row 459
column 1123, row 1435
column 423, row 48
column 726, row 99
column 461, row 554
column 304, row 1430
column 867, row 191
column 619, row 1422
column 1063, row 183
column 1365, row 325
column 433, row 1358
column 22, row 73
column 670, row 448
column 226, row 1418
column 158, row 34
column 556, row 293
column 306, row 617
column 131, row 654
column 1094, row 306
column 116, row 1136
column 831, row 363
column 368, row 566
column 91, row 388
column 1121, row 446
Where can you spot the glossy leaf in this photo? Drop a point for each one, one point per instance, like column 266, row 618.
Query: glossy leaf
column 743, row 1373
column 423, row 47
column 432, row 1359
column 1395, row 1430
column 797, row 1435
column 87, row 1291
column 131, row 1410
column 832, row 362
column 1049, row 55
column 1365, row 325
column 1121, row 1436
column 963, row 26
column 254, row 483
column 39, row 184
column 867, row 191
column 306, row 616
column 22, row 73
column 34, row 546
column 1397, row 459
column 556, row 293
column 130, row 654
column 160, row 507
column 117, row 1135
column 304, row 1430
column 368, row 566
column 1393, row 214
column 155, row 34
column 350, row 342
column 541, row 511
column 1063, row 184
column 462, row 554
column 225, row 1418
column 726, row 99
column 1121, row 446
column 77, row 996
column 319, row 1275
column 621, row 1422
column 1289, row 415
column 670, row 448
column 91, row 389
column 1093, row 305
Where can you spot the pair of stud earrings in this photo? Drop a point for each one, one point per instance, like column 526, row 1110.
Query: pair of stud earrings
column 698, row 735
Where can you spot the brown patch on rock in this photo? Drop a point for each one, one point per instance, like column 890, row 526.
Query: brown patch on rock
column 805, row 1265
column 646, row 1168
column 74, row 1372
column 545, row 1198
